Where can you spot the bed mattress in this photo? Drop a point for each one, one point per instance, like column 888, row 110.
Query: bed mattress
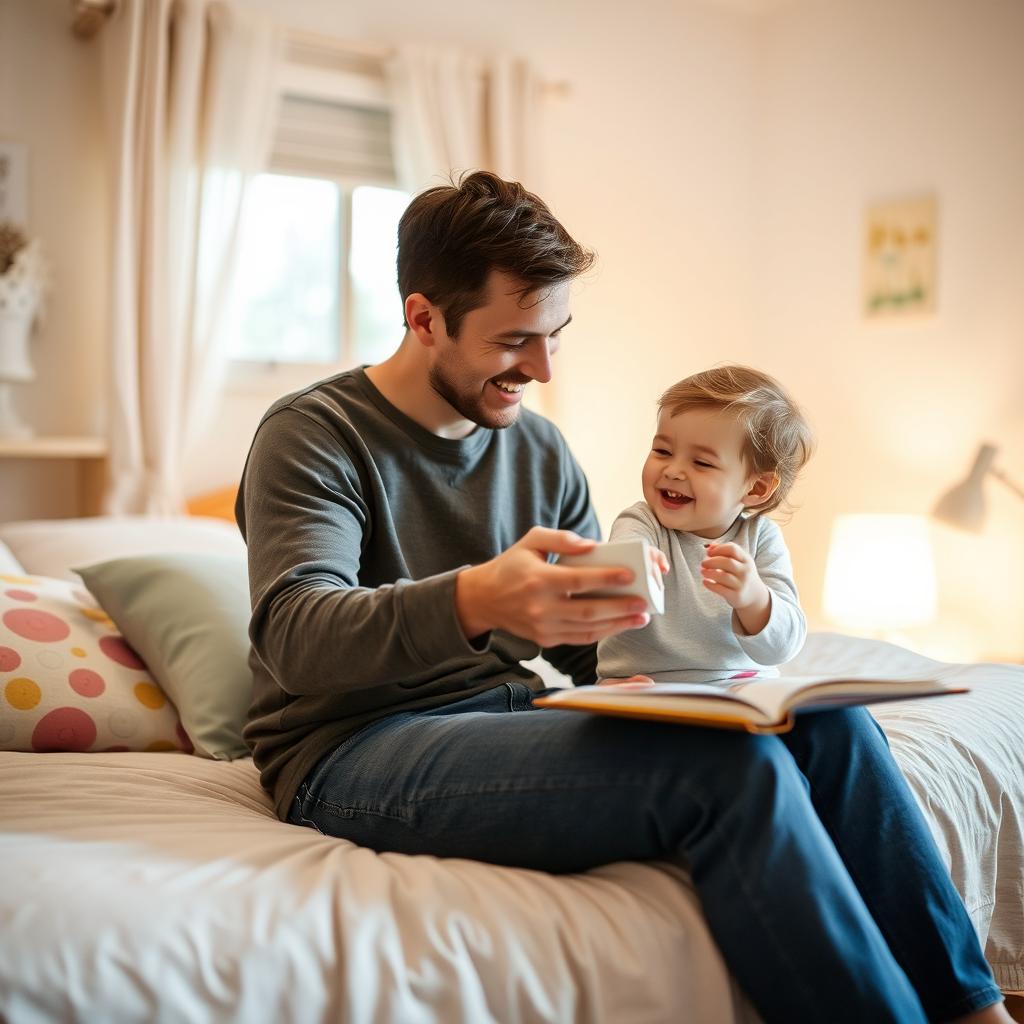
column 160, row 887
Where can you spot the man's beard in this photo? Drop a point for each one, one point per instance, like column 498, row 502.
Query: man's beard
column 470, row 406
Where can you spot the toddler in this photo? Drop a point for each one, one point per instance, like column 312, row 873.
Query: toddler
column 729, row 445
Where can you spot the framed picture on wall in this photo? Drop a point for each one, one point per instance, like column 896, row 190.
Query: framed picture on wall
column 899, row 258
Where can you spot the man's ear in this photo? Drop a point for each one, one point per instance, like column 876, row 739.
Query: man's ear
column 423, row 318
column 761, row 488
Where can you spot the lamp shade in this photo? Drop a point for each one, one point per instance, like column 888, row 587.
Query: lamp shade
column 881, row 573
column 964, row 504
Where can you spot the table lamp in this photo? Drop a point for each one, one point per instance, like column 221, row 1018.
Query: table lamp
column 880, row 576
column 964, row 504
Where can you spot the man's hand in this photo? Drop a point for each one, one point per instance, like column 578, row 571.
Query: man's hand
column 729, row 571
column 521, row 593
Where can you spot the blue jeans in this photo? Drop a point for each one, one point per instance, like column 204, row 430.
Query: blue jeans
column 815, row 869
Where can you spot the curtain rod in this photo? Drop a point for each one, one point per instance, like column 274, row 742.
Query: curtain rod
column 88, row 16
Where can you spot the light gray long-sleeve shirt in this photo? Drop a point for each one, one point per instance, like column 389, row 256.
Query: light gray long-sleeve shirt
column 357, row 521
column 699, row 639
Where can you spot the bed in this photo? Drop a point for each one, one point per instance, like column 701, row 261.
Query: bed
column 159, row 886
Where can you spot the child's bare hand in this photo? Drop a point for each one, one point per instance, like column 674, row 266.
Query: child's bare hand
column 660, row 561
column 729, row 571
column 632, row 683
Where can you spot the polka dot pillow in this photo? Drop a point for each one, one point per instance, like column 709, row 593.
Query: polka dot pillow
column 69, row 681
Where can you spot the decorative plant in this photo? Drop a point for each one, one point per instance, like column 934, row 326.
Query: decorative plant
column 24, row 273
column 12, row 241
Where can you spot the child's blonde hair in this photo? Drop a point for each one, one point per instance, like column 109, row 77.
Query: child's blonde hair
column 778, row 438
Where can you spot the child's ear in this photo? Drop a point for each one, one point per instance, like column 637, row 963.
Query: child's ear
column 762, row 487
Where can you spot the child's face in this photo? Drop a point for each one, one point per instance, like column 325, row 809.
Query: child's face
column 695, row 477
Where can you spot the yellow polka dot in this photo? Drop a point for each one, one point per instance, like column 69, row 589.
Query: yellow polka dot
column 150, row 696
column 78, row 652
column 97, row 615
column 20, row 579
column 23, row 694
column 158, row 745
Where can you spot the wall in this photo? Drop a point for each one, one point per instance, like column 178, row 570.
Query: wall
column 50, row 100
column 874, row 100
column 646, row 160
column 719, row 161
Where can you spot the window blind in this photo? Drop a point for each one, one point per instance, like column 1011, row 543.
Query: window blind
column 328, row 138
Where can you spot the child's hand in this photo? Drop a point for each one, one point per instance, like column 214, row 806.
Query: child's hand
column 729, row 571
column 660, row 561
column 632, row 683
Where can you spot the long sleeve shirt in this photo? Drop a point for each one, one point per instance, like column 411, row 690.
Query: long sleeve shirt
column 357, row 521
column 699, row 638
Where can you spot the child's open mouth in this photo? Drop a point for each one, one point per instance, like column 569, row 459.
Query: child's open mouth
column 674, row 500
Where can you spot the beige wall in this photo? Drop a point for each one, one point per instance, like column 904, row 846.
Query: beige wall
column 867, row 100
column 50, row 100
column 720, row 163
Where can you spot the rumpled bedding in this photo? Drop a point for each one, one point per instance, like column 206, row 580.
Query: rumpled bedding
column 160, row 887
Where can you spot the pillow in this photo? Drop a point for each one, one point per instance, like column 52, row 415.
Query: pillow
column 188, row 616
column 49, row 547
column 8, row 563
column 68, row 680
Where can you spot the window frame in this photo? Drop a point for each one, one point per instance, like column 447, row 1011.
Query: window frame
column 272, row 377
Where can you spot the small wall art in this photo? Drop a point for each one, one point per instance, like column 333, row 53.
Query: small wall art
column 899, row 258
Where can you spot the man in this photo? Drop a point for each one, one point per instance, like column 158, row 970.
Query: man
column 399, row 521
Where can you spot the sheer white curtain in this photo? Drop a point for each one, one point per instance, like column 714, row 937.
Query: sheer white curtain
column 457, row 112
column 190, row 91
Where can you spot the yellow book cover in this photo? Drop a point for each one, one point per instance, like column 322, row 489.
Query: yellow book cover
column 756, row 705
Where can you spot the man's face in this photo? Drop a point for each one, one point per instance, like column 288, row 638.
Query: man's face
column 502, row 347
column 695, row 477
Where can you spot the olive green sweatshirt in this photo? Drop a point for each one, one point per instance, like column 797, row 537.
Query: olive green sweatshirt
column 357, row 521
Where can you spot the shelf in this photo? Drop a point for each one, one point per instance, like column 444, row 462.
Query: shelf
column 53, row 448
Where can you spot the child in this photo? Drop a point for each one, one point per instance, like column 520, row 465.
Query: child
column 729, row 445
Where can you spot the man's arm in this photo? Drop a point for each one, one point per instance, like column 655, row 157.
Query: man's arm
column 316, row 630
column 313, row 627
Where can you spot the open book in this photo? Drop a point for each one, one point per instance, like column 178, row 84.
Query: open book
column 757, row 705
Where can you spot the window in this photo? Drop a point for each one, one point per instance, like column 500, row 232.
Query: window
column 316, row 276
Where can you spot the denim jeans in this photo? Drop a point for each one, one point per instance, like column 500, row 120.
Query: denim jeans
column 815, row 869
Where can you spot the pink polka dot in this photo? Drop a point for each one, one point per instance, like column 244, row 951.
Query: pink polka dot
column 36, row 625
column 86, row 683
column 186, row 743
column 116, row 649
column 64, row 729
column 21, row 595
column 9, row 659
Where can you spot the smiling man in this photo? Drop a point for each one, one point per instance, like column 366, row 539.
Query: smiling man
column 400, row 520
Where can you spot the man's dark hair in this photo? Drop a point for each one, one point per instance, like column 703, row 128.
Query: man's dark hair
column 452, row 236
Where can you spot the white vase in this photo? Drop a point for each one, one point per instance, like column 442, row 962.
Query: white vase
column 15, row 335
column 15, row 366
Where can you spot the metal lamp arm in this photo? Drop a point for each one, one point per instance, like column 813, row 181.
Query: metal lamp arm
column 1015, row 487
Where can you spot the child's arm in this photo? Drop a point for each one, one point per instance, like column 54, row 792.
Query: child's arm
column 767, row 619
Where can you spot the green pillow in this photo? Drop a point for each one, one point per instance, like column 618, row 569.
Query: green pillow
column 188, row 617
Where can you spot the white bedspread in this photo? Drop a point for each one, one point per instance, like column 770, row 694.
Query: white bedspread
column 160, row 887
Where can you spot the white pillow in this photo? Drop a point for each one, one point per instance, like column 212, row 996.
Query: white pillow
column 8, row 563
column 50, row 547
